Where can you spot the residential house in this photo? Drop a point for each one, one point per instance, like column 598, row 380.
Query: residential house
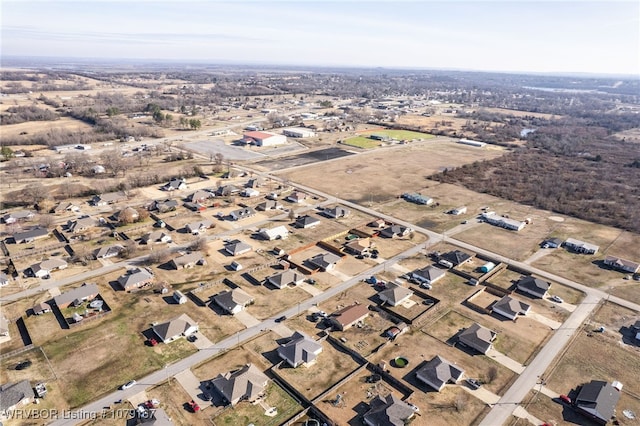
column 163, row 206
column 378, row 223
column 188, row 260
column 277, row 233
column 503, row 222
column 597, row 400
column 533, row 286
column 175, row 184
column 242, row 213
column 336, row 212
column 394, row 294
column 17, row 216
column 250, row 192
column 478, row 337
column 285, row 279
column 30, row 235
column 580, row 246
column 110, row 198
column 254, row 182
column 44, row 268
column 307, row 221
column 427, row 275
column 175, row 328
column 247, row 383
column 195, row 207
column 4, row 279
column 456, row 257
column 552, row 243
column 417, row 198
column 358, row 247
column 458, row 211
column 300, row 350
column 622, row 264
column 135, row 278
column 108, row 251
column 199, row 227
column 65, row 206
column 388, row 411
column 76, row 296
column 325, row 261
column 41, row 308
column 13, row 396
column 237, row 247
column 296, row 197
column 438, row 372
column 179, row 297
column 227, row 190
column 155, row 237
column 81, row 224
column 345, row 318
column 127, row 215
column 395, row 231
column 510, row 307
column 200, row 196
column 233, row 301
column 270, row 205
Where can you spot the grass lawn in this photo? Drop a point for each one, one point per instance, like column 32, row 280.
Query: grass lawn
column 401, row 134
column 362, row 142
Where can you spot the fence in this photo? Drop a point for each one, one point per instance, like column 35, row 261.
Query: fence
column 17, row 351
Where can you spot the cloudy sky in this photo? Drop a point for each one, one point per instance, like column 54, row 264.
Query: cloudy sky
column 500, row 35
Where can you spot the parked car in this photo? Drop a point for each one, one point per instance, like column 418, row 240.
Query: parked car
column 282, row 318
column 474, row 383
column 426, row 286
column 152, row 342
column 565, row 398
column 128, row 385
column 414, row 407
column 24, row 365
column 192, row 338
column 194, row 406
column 557, row 299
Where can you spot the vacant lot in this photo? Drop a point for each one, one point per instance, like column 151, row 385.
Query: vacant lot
column 173, row 398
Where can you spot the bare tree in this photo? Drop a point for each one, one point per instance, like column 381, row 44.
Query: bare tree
column 45, row 220
column 460, row 403
column 35, row 193
column 492, row 373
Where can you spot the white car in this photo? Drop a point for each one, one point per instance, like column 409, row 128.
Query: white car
column 557, row 299
column 128, row 385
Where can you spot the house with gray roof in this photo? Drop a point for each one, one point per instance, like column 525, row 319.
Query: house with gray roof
column 155, row 237
column 307, row 221
column 41, row 308
column 301, row 349
column 13, row 396
column 164, row 205
column 287, row 278
column 233, row 301
column 276, row 233
column 135, row 278
column 622, row 264
column 581, row 247
column 110, row 198
column 510, row 307
column 427, row 275
column 597, row 400
column 270, row 205
column 478, row 337
column 30, row 235
column 394, row 294
column 200, row 196
column 17, row 216
column 4, row 327
column 46, row 267
column 198, row 227
column 188, row 260
column 438, row 372
column 175, row 328
column 336, row 212
column 456, row 257
column 395, row 231
column 76, row 296
column 533, row 286
column 247, row 383
column 108, row 251
column 4, row 279
column 242, row 213
column 325, row 261
column 237, row 247
column 175, row 184
column 81, row 224
column 388, row 411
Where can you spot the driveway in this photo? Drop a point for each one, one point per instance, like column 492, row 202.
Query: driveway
column 482, row 394
column 203, row 342
column 520, row 412
column 192, row 385
column 554, row 325
column 282, row 330
column 314, row 291
column 501, row 358
column 538, row 255
column 246, row 319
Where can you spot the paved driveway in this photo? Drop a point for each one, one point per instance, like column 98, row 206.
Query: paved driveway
column 203, row 342
column 193, row 387
column 554, row 325
column 246, row 319
column 314, row 291
column 483, row 394
column 501, row 358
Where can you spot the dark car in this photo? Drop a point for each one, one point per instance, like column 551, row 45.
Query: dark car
column 280, row 319
column 24, row 365
column 474, row 383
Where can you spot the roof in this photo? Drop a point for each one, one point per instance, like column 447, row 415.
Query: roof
column 186, row 259
column 258, row 135
column 511, row 306
column 237, row 247
column 359, row 244
column 478, row 337
column 12, row 394
column 285, row 278
column 598, row 399
column 247, row 382
column 533, row 285
column 41, row 307
column 388, row 410
column 438, row 371
column 430, row 273
column 581, row 245
column 108, row 251
column 195, row 226
column 350, row 314
column 174, row 327
column 307, row 220
column 395, row 294
column 111, row 197
column 269, row 205
column 621, row 263
column 78, row 293
column 456, row 257
column 300, row 349
column 134, row 277
column 274, row 232
column 228, row 300
column 323, row 260
column 200, row 194
column 393, row 230
column 337, row 211
column 30, row 234
column 155, row 236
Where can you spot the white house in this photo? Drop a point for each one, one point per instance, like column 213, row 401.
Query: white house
column 279, row 232
column 298, row 132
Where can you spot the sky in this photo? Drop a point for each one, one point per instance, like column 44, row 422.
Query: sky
column 501, row 35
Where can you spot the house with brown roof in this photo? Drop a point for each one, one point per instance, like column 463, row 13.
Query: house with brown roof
column 284, row 279
column 394, row 294
column 346, row 317
column 175, row 328
column 135, row 278
column 76, row 296
column 325, row 261
column 621, row 264
column 478, row 337
column 358, row 246
column 247, row 383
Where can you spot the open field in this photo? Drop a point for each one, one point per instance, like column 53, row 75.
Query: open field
column 398, row 134
column 362, row 142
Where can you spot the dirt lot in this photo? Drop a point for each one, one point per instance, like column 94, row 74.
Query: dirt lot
column 173, row 397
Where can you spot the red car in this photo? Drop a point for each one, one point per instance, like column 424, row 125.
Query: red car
column 565, row 398
column 194, row 406
column 152, row 342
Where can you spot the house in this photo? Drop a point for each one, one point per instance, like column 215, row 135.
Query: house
column 155, row 237
column 296, row 197
column 194, row 207
column 298, row 132
column 179, row 298
column 458, row 211
column 233, row 301
column 254, row 183
column 176, row 328
column 44, row 268
column 456, row 257
column 300, row 350
column 263, row 138
column 81, row 224
column 533, row 286
column 188, row 260
column 246, row 383
column 250, row 192
column 242, row 213
column 14, row 395
column 472, row 143
column 30, row 235
column 477, row 337
column 175, row 184
column 336, row 212
column 438, row 372
column 395, row 231
column 277, row 233
column 4, row 279
column 163, row 206
column 65, row 206
column 394, row 294
column 378, row 223
column 227, row 190
column 127, row 215
column 325, row 261
column 358, row 246
column 417, row 198
column 200, row 196
column 41, row 308
column 17, row 216
column 135, row 278
column 285, row 279
column 235, row 266
column 76, row 296
column 510, row 307
column 108, row 251
column 345, row 318
column 269, row 205
column 621, row 264
column 307, row 221
column 237, row 247
column 578, row 246
column 597, row 400
column 199, row 227
column 552, row 243
column 388, row 411
column 110, row 198
column 427, row 275
column 503, row 222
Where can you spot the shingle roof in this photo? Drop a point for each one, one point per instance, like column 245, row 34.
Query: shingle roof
column 533, row 285
column 388, row 411
column 598, row 399
column 511, row 306
column 247, row 382
column 78, row 293
column 13, row 393
column 438, row 371
column 228, row 300
column 237, row 247
column 394, row 293
column 175, row 327
column 300, row 349
column 285, row 278
column 323, row 260
column 478, row 337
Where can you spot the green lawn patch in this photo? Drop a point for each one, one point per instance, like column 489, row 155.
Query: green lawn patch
column 362, row 142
